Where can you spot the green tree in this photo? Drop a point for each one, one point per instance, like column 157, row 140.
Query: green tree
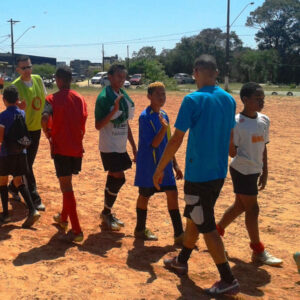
column 44, row 70
column 145, row 52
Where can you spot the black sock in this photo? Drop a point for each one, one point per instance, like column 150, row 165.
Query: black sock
column 176, row 221
column 141, row 216
column 26, row 196
column 184, row 255
column 4, row 198
column 13, row 187
column 112, row 187
column 225, row 272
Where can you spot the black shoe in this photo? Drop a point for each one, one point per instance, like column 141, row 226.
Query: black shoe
column 40, row 206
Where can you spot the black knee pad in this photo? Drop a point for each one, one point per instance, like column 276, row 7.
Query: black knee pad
column 114, row 184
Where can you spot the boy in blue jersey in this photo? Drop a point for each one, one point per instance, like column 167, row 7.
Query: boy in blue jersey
column 209, row 115
column 12, row 162
column 154, row 133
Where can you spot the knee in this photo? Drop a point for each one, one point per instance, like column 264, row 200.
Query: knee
column 254, row 210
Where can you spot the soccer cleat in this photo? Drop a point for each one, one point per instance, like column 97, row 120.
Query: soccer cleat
column 31, row 219
column 73, row 237
column 178, row 240
column 13, row 192
column 59, row 222
column 145, row 234
column 174, row 265
column 118, row 221
column 40, row 206
column 297, row 260
column 109, row 222
column 223, row 288
column 266, row 258
column 5, row 218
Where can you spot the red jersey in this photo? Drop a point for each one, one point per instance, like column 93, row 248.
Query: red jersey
column 69, row 114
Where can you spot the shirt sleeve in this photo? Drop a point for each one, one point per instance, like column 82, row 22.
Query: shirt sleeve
column 146, row 132
column 185, row 114
column 267, row 140
column 48, row 108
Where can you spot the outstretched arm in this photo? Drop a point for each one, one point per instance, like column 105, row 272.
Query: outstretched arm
column 170, row 150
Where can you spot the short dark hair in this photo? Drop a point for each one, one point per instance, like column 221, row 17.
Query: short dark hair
column 22, row 58
column 10, row 94
column 206, row 62
column 248, row 89
column 64, row 73
column 116, row 68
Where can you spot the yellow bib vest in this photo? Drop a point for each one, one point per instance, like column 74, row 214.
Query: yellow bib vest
column 34, row 98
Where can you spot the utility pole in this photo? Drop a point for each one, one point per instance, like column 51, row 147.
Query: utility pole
column 12, row 22
column 127, row 57
column 103, row 57
column 226, row 81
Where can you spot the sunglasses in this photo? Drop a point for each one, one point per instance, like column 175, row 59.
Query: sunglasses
column 25, row 68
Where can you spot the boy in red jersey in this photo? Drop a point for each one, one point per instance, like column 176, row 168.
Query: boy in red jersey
column 69, row 113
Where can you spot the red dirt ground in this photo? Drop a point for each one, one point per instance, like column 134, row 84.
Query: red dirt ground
column 36, row 264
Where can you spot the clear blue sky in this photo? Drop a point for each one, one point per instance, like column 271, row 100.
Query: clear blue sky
column 72, row 29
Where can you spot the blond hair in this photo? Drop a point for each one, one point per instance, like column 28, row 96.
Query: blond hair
column 152, row 86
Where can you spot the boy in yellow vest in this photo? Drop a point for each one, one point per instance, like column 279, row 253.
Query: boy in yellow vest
column 32, row 94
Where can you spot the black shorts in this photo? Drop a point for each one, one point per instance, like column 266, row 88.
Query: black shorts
column 15, row 165
column 200, row 198
column 66, row 165
column 149, row 191
column 244, row 184
column 115, row 162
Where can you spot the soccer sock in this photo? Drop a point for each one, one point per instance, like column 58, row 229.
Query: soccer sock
column 225, row 272
column 4, row 198
column 71, row 207
column 184, row 255
column 26, row 196
column 141, row 216
column 257, row 248
column 220, row 230
column 113, row 186
column 176, row 221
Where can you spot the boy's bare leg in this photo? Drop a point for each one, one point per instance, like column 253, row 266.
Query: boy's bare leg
column 191, row 234
column 172, row 199
column 231, row 213
column 251, row 217
column 215, row 247
column 142, row 202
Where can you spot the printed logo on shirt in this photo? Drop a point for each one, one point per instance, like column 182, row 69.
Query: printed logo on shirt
column 36, row 103
column 257, row 138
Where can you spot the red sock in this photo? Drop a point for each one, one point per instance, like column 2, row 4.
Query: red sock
column 220, row 230
column 71, row 206
column 257, row 248
column 64, row 212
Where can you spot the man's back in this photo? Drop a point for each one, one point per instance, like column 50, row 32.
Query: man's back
column 209, row 115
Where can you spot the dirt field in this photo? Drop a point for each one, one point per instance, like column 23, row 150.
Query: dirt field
column 36, row 264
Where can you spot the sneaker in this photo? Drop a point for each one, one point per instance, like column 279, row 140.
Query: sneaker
column 109, row 222
column 174, row 265
column 59, row 222
column 72, row 237
column 146, row 234
column 297, row 260
column 266, row 258
column 31, row 219
column 223, row 288
column 118, row 221
column 40, row 206
column 13, row 192
column 178, row 240
column 5, row 218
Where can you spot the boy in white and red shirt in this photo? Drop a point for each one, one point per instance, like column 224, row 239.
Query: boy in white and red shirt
column 68, row 112
column 249, row 164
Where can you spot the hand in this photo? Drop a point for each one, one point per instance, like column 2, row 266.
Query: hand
column 117, row 102
column 178, row 173
column 262, row 181
column 164, row 123
column 158, row 178
column 21, row 104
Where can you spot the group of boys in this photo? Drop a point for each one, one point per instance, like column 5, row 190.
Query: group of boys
column 214, row 132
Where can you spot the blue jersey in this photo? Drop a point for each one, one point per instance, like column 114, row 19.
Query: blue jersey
column 148, row 156
column 209, row 114
column 6, row 120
